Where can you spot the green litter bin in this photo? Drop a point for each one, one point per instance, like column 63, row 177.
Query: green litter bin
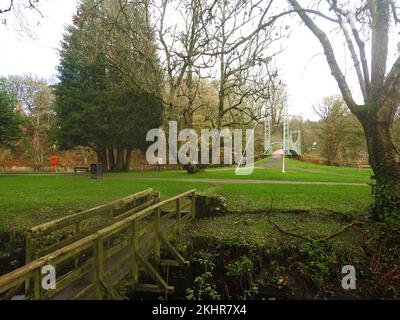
column 96, row 171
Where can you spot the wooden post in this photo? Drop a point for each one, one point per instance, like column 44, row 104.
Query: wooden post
column 135, row 248
column 157, row 247
column 98, row 270
column 28, row 259
column 111, row 215
column 194, row 205
column 179, row 216
column 37, row 278
column 29, row 247
column 77, row 230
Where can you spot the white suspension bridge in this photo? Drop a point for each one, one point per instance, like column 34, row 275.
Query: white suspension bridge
column 291, row 142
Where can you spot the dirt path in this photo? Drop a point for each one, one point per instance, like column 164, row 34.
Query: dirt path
column 272, row 163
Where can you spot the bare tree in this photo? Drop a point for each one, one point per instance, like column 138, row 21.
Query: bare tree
column 182, row 46
column 242, row 52
column 362, row 23
column 16, row 5
column 16, row 10
column 332, row 112
column 276, row 103
column 228, row 41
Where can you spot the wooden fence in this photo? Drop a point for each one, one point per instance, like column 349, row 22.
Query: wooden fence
column 89, row 267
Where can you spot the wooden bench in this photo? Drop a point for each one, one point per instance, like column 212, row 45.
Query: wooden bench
column 81, row 170
column 363, row 165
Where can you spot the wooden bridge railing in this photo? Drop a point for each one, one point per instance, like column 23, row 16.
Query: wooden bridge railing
column 109, row 254
column 40, row 240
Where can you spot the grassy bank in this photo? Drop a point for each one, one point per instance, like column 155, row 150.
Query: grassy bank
column 26, row 201
column 291, row 256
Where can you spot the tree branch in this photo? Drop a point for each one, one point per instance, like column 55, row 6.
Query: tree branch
column 363, row 56
column 9, row 7
column 391, row 89
column 326, row 238
column 380, row 43
column 348, row 15
column 394, row 11
column 330, row 55
column 356, row 61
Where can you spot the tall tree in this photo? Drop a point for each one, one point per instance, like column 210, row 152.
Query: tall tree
column 379, row 84
column 9, row 118
column 182, row 45
column 332, row 112
column 107, row 97
column 276, row 102
column 35, row 101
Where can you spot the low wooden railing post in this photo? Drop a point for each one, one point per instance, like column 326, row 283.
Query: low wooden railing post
column 157, row 246
column 135, row 248
column 179, row 216
column 28, row 259
column 194, row 205
column 37, row 289
column 77, row 230
column 98, row 270
column 111, row 215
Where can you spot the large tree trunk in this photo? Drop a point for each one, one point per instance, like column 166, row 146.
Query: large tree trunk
column 99, row 156
column 120, row 160
column 128, row 159
column 111, row 159
column 385, row 162
column 105, row 161
column 102, row 158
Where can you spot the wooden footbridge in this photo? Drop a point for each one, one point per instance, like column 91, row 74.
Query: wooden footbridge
column 93, row 250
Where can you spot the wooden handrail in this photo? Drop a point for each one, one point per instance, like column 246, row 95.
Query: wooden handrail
column 77, row 217
column 77, row 221
column 31, row 270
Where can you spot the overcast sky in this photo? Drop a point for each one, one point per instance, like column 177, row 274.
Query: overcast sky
column 303, row 66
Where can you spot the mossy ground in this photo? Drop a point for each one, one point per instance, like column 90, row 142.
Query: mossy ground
column 282, row 266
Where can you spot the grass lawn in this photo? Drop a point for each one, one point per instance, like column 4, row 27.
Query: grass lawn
column 28, row 200
column 296, row 171
column 283, row 198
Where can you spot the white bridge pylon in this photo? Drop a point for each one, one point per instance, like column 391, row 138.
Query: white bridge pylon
column 291, row 142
